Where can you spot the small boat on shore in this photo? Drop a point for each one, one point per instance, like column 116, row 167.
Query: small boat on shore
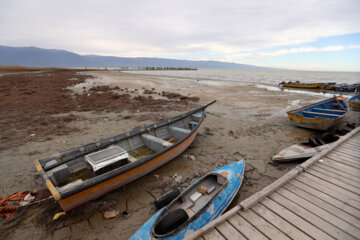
column 85, row 173
column 355, row 102
column 298, row 84
column 199, row 204
column 321, row 115
column 303, row 151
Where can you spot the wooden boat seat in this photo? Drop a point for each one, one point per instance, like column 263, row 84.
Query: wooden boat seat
column 319, row 113
column 179, row 133
column 196, row 116
column 328, row 109
column 154, row 143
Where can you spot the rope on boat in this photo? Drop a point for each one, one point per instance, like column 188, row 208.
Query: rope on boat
column 245, row 121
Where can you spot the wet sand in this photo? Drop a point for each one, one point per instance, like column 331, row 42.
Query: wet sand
column 253, row 126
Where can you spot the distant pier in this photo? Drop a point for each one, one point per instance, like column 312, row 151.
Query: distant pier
column 156, row 68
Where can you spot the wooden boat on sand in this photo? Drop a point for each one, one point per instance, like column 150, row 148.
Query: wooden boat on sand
column 196, row 206
column 298, row 84
column 321, row 115
column 85, row 173
column 355, row 102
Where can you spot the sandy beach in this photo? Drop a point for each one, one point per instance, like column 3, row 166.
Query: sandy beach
column 47, row 113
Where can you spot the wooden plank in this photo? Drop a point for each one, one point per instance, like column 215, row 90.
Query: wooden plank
column 295, row 220
column 245, row 228
column 345, row 160
column 345, row 230
column 342, row 156
column 255, row 198
column 228, row 231
column 336, row 176
column 324, row 205
column 332, row 186
column 327, row 198
column 265, row 227
column 309, row 216
column 213, row 223
column 338, row 171
column 279, row 222
column 335, row 181
column 213, row 234
column 346, row 153
column 342, row 167
column 353, row 143
column 351, row 146
column 329, row 191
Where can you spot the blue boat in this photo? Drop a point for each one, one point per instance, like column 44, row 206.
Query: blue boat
column 321, row 115
column 199, row 204
column 355, row 102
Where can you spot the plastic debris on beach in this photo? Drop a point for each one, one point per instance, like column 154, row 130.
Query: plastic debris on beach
column 57, row 215
column 9, row 206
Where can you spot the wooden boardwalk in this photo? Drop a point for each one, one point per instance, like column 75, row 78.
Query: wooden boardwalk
column 319, row 199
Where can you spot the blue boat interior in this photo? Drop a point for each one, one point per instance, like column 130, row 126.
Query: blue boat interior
column 331, row 109
column 192, row 201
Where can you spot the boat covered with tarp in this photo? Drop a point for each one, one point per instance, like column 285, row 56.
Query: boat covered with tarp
column 85, row 173
column 199, row 204
column 321, row 115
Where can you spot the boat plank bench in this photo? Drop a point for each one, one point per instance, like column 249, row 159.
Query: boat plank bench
column 328, row 109
column 319, row 113
column 319, row 199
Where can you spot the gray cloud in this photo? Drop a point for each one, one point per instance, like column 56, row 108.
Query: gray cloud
column 173, row 28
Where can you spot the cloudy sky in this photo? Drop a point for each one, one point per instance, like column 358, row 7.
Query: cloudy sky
column 297, row 34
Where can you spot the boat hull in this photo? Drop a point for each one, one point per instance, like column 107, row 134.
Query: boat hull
column 98, row 190
column 320, row 116
column 234, row 173
column 355, row 103
column 304, row 85
column 298, row 152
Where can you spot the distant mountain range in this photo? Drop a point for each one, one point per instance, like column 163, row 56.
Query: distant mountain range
column 39, row 57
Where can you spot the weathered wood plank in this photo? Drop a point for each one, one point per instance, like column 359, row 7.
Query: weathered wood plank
column 245, row 228
column 213, row 223
column 213, row 234
column 280, row 223
column 346, row 152
column 337, row 171
column 352, row 144
column 262, row 225
column 295, row 220
column 345, row 230
column 350, row 147
column 325, row 197
column 309, row 216
column 343, row 157
column 228, row 231
column 346, row 162
column 336, row 176
column 332, row 186
column 336, row 181
column 342, row 167
column 329, row 191
column 324, row 205
column 338, row 156
column 255, row 198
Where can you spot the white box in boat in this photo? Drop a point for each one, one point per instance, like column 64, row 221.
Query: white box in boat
column 106, row 157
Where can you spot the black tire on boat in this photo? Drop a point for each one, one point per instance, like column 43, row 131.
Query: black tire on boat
column 166, row 198
column 315, row 141
column 329, row 138
column 171, row 221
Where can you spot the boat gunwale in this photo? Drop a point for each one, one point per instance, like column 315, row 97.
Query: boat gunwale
column 115, row 172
